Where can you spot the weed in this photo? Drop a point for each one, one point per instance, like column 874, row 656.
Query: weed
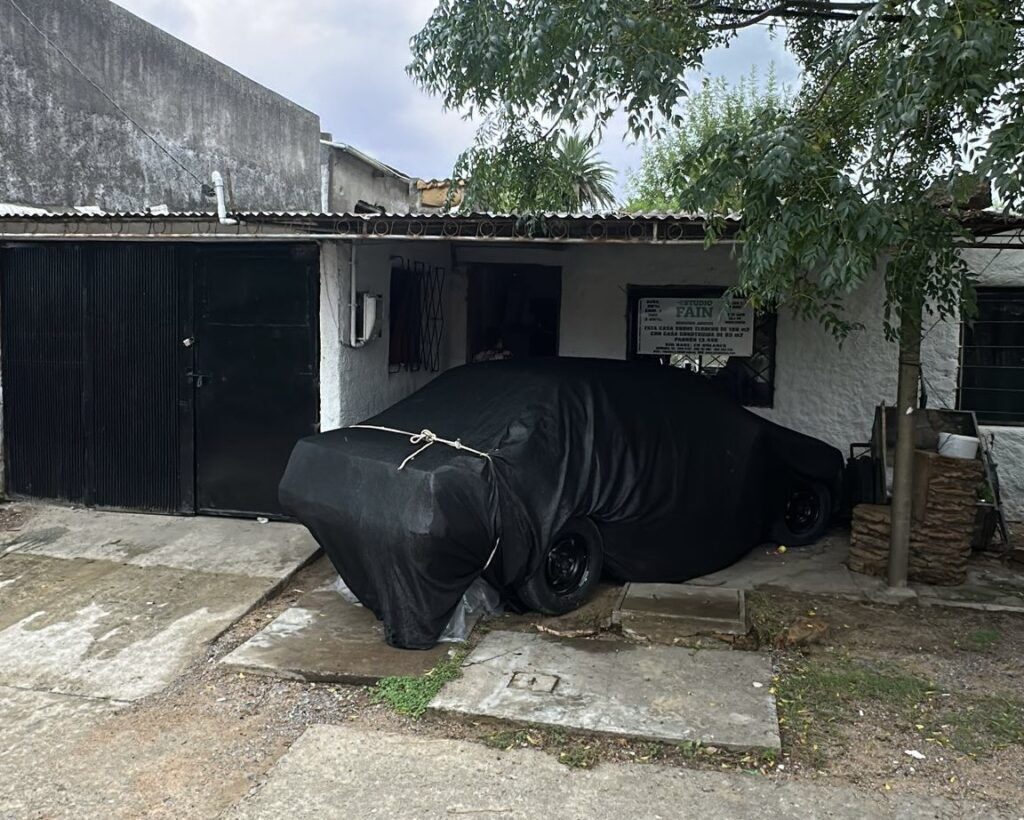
column 767, row 618
column 690, row 748
column 649, row 752
column 507, row 739
column 410, row 695
column 579, row 755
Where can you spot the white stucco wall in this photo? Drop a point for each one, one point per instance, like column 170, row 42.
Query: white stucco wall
column 821, row 388
column 356, row 382
column 995, row 268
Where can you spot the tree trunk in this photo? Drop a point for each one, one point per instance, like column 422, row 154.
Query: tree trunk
column 903, row 469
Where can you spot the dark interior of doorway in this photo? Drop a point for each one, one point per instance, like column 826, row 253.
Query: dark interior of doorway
column 513, row 311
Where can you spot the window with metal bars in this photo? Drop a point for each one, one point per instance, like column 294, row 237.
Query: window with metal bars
column 991, row 379
column 749, row 379
column 416, row 314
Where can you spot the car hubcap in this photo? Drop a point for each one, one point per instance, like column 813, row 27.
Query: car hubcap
column 802, row 511
column 566, row 564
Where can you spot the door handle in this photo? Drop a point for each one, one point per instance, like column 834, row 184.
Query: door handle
column 198, row 379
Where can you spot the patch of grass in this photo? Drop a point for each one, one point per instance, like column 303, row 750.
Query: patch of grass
column 816, row 697
column 984, row 724
column 410, row 695
column 982, row 639
column 509, row 739
column 649, row 752
column 767, row 618
column 579, row 754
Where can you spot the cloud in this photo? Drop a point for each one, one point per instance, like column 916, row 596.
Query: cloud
column 346, row 62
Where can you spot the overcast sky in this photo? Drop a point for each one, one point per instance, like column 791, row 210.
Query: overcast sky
column 345, row 60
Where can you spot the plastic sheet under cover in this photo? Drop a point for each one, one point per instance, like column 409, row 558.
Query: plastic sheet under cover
column 678, row 478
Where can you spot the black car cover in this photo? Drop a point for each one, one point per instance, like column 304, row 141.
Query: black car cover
column 679, row 479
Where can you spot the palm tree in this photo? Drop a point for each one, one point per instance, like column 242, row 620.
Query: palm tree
column 585, row 180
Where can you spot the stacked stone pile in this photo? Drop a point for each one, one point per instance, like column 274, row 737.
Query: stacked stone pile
column 945, row 506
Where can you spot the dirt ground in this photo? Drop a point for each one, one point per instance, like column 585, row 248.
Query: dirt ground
column 872, row 684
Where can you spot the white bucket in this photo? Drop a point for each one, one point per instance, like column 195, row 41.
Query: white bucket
column 954, row 446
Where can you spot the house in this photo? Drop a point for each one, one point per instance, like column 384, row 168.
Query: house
column 159, row 356
column 201, row 350
column 354, row 182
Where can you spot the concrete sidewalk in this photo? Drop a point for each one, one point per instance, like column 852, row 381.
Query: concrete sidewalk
column 335, row 771
column 115, row 605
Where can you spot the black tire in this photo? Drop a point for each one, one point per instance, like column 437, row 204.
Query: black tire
column 805, row 516
column 570, row 568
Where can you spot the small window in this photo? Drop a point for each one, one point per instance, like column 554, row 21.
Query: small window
column 748, row 379
column 992, row 358
column 416, row 316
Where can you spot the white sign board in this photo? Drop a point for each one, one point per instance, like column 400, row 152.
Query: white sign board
column 721, row 327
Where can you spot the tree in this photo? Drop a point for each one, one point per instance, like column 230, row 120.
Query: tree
column 905, row 104
column 715, row 107
column 586, row 178
column 530, row 171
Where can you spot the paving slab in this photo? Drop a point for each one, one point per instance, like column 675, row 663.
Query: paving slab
column 37, row 730
column 816, row 569
column 341, row 771
column 207, row 544
column 324, row 637
column 664, row 612
column 820, row 569
column 650, row 692
column 107, row 630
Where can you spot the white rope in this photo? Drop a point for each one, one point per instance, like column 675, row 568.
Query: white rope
column 427, row 436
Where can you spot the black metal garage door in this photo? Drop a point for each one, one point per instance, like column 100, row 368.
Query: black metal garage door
column 106, row 401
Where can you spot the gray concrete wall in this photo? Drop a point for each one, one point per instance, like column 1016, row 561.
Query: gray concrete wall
column 350, row 179
column 63, row 144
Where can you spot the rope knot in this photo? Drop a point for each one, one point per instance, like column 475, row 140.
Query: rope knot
column 423, row 435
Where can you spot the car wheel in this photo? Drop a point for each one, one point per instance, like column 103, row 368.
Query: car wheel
column 805, row 516
column 569, row 570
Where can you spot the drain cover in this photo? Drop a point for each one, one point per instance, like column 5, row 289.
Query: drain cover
column 533, row 682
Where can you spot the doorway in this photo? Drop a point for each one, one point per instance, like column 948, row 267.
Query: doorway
column 513, row 311
column 161, row 378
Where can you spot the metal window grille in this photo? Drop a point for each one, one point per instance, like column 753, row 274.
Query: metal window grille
column 991, row 378
column 416, row 325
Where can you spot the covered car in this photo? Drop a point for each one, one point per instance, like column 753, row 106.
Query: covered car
column 542, row 475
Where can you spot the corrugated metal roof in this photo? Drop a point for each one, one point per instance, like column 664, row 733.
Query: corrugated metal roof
column 83, row 214
column 551, row 226
column 548, row 226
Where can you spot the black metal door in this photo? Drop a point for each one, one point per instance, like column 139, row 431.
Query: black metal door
column 90, row 377
column 133, row 378
column 256, row 359
column 43, row 350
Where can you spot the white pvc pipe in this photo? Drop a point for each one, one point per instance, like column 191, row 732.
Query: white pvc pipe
column 222, row 206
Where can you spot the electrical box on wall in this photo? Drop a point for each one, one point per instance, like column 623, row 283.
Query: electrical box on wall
column 369, row 313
